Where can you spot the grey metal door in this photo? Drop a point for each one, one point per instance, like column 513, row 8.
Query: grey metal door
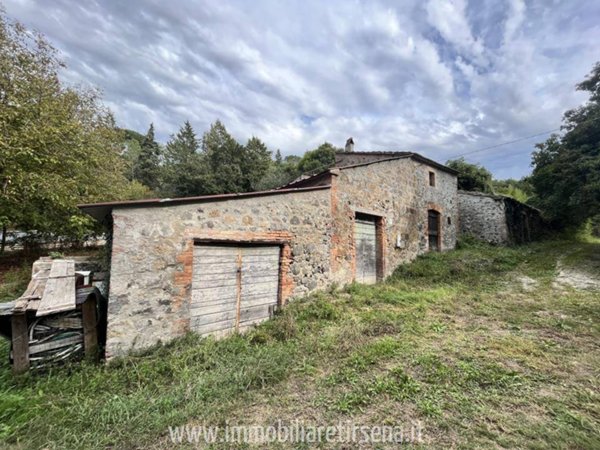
column 365, row 239
column 233, row 287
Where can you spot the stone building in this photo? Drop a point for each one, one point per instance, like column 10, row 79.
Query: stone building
column 216, row 264
column 498, row 219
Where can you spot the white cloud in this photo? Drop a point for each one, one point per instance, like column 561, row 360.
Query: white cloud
column 516, row 15
column 450, row 20
column 442, row 78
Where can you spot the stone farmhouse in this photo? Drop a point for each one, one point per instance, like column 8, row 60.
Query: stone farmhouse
column 222, row 263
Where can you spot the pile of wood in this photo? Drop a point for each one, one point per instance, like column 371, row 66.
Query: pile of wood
column 56, row 318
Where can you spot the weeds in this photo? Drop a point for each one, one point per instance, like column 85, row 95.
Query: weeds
column 452, row 340
column 13, row 282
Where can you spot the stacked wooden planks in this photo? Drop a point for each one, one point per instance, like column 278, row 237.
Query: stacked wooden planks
column 53, row 320
column 59, row 294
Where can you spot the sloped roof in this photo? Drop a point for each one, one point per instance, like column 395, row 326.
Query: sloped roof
column 100, row 211
column 399, row 155
column 316, row 179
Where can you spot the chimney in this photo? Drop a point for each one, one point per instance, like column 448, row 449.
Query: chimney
column 349, row 145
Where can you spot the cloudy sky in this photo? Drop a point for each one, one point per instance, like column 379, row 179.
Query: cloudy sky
column 440, row 77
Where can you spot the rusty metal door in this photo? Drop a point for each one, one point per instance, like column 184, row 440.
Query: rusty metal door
column 233, row 287
column 433, row 230
column 365, row 240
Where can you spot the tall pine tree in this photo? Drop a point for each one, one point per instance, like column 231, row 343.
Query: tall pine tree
column 255, row 163
column 185, row 170
column 147, row 166
column 224, row 156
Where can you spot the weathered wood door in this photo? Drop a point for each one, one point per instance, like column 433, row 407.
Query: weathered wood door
column 233, row 287
column 365, row 240
column 433, row 230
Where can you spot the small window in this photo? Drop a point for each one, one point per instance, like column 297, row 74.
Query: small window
column 449, row 221
column 431, row 178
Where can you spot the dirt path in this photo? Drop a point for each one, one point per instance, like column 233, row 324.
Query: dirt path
column 575, row 277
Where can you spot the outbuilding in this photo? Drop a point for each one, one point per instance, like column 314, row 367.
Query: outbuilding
column 222, row 263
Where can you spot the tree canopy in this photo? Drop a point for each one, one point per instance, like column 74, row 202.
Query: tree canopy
column 566, row 169
column 520, row 190
column 317, row 160
column 185, row 172
column 471, row 177
column 147, row 167
column 58, row 145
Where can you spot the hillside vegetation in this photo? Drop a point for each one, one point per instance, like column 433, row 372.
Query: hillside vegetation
column 487, row 347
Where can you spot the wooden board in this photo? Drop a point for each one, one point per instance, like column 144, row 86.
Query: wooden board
column 53, row 345
column 260, row 283
column 365, row 239
column 59, row 293
column 232, row 286
column 214, row 288
column 20, row 343
column 35, row 288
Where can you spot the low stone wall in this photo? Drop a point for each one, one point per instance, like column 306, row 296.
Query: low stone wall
column 525, row 223
column 498, row 219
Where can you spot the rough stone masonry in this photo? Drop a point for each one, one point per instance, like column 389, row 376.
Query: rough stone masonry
column 313, row 221
column 498, row 219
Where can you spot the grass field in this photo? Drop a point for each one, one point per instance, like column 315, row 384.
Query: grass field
column 486, row 347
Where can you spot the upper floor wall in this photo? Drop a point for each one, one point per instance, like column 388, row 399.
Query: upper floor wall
column 400, row 194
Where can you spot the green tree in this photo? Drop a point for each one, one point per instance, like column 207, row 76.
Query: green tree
column 147, row 169
column 520, row 190
column 224, row 157
column 132, row 147
column 185, row 171
column 256, row 161
column 281, row 171
column 278, row 159
column 595, row 226
column 566, row 170
column 319, row 159
column 471, row 177
column 58, row 145
column 234, row 167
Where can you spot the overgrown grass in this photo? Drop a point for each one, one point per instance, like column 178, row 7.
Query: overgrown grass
column 13, row 281
column 456, row 340
column 15, row 270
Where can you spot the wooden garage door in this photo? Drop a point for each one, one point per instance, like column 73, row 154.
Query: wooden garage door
column 233, row 287
column 365, row 239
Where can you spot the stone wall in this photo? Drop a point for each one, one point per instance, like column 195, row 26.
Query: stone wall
column 398, row 191
column 498, row 219
column 151, row 265
column 524, row 223
column 152, row 246
column 483, row 217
